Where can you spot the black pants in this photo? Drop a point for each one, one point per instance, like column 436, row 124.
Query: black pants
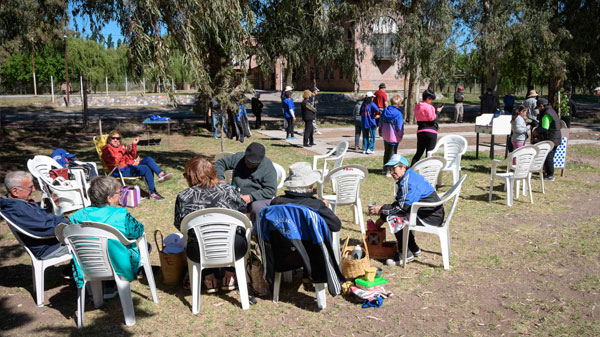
column 425, row 141
column 308, row 133
column 389, row 150
column 258, row 114
column 289, row 132
column 549, row 163
column 412, row 244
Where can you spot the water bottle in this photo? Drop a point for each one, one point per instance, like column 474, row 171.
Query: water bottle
column 357, row 252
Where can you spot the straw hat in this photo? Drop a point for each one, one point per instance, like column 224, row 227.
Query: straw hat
column 301, row 174
column 532, row 93
column 288, row 88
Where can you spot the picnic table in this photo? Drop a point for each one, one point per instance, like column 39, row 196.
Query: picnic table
column 148, row 123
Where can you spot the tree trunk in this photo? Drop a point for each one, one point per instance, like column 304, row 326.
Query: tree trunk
column 85, row 101
column 410, row 98
column 529, row 79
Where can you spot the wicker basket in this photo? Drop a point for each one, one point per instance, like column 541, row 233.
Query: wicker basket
column 352, row 268
column 171, row 265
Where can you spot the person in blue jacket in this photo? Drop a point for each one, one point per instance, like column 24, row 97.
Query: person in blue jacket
column 369, row 125
column 412, row 187
column 288, row 113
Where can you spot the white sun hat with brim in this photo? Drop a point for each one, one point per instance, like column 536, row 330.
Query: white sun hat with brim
column 597, row 89
column 370, row 94
column 301, row 174
column 288, row 88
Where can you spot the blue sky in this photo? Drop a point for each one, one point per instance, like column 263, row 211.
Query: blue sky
column 83, row 26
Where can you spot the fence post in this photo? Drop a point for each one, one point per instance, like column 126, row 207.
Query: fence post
column 106, row 80
column 144, row 85
column 159, row 85
column 52, row 88
column 125, row 85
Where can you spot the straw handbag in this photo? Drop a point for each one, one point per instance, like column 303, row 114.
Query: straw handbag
column 352, row 268
column 172, row 265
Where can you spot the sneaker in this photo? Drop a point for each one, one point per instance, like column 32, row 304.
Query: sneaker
column 319, row 133
column 409, row 258
column 292, row 138
column 165, row 177
column 364, row 152
column 157, row 197
column 110, row 291
column 369, row 151
column 549, row 178
column 417, row 253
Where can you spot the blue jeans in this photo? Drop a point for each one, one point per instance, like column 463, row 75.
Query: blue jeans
column 216, row 119
column 146, row 168
column 357, row 132
column 369, row 139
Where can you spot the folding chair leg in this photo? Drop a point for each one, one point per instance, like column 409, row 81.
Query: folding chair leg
column 196, row 285
column 276, row 286
column 126, row 300
column 321, row 295
column 37, row 273
column 97, row 293
column 80, row 306
column 240, row 274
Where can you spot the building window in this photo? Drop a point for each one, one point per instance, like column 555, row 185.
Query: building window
column 384, row 46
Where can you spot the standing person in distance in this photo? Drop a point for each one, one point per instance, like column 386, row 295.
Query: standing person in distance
column 369, row 126
column 290, row 117
column 391, row 128
column 257, row 107
column 357, row 124
column 313, row 102
column 509, row 102
column 519, row 128
column 549, row 129
column 530, row 103
column 381, row 100
column 459, row 98
column 427, row 121
column 308, row 116
column 489, row 102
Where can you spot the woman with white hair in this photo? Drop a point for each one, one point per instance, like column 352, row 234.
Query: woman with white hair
column 299, row 190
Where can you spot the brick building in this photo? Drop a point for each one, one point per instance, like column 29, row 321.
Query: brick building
column 378, row 65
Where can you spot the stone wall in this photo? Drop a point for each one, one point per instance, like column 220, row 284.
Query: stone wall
column 122, row 100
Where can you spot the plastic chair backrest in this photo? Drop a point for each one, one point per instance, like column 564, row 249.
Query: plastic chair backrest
column 215, row 229
column 340, row 151
column 543, row 149
column 281, row 175
column 88, row 241
column 18, row 231
column 346, row 180
column 99, row 143
column 453, row 192
column 454, row 147
column 40, row 166
column 430, row 168
column 561, row 153
column 524, row 158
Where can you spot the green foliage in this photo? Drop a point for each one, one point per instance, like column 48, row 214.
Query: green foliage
column 562, row 103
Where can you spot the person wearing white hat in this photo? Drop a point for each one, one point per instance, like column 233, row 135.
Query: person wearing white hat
column 530, row 103
column 412, row 187
column 299, row 190
column 368, row 123
column 597, row 91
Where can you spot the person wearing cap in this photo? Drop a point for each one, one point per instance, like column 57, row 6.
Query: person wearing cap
column 426, row 116
column 253, row 174
column 313, row 102
column 459, row 98
column 288, row 114
column 104, row 193
column 391, row 128
column 114, row 154
column 367, row 114
column 299, row 190
column 205, row 191
column 530, row 103
column 412, row 187
column 381, row 100
column 509, row 102
column 549, row 129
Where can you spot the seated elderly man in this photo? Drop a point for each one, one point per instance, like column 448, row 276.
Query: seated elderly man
column 253, row 174
column 19, row 208
column 130, row 164
column 299, row 190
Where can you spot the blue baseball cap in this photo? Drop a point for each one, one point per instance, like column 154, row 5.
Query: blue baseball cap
column 395, row 160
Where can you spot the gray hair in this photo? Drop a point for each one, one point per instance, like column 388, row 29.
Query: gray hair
column 301, row 189
column 14, row 178
column 101, row 188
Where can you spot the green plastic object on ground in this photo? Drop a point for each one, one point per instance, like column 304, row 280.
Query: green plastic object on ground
column 366, row 284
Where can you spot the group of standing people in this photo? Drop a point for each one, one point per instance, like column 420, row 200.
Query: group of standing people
column 308, row 111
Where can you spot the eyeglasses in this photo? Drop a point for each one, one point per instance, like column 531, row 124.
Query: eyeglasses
column 392, row 168
column 30, row 188
column 117, row 138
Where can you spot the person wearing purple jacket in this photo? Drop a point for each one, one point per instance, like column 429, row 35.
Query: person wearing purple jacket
column 391, row 128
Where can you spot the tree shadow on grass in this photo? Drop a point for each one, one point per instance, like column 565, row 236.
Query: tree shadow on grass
column 477, row 168
column 11, row 319
column 291, row 293
column 20, row 276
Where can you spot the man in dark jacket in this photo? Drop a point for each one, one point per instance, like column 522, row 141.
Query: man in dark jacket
column 549, row 129
column 254, row 176
column 299, row 185
column 257, row 107
column 489, row 102
column 309, row 114
column 20, row 209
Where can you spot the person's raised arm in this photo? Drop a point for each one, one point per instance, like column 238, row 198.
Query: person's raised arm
column 224, row 164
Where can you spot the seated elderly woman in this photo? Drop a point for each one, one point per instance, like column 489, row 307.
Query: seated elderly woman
column 299, row 185
column 130, row 164
column 205, row 192
column 104, row 194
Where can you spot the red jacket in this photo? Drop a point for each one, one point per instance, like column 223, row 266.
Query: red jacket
column 380, row 98
column 113, row 156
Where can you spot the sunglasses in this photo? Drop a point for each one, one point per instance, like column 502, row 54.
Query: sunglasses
column 118, row 138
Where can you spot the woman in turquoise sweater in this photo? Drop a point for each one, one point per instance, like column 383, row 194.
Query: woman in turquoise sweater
column 104, row 194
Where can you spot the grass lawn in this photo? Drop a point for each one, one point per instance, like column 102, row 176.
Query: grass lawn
column 530, row 269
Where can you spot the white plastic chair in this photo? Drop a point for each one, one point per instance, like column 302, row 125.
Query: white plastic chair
column 281, row 175
column 443, row 232
column 336, row 155
column 520, row 172
column 215, row 229
column 89, row 243
column 538, row 162
column 72, row 194
column 454, row 147
column 38, row 267
column 346, row 185
column 430, row 168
